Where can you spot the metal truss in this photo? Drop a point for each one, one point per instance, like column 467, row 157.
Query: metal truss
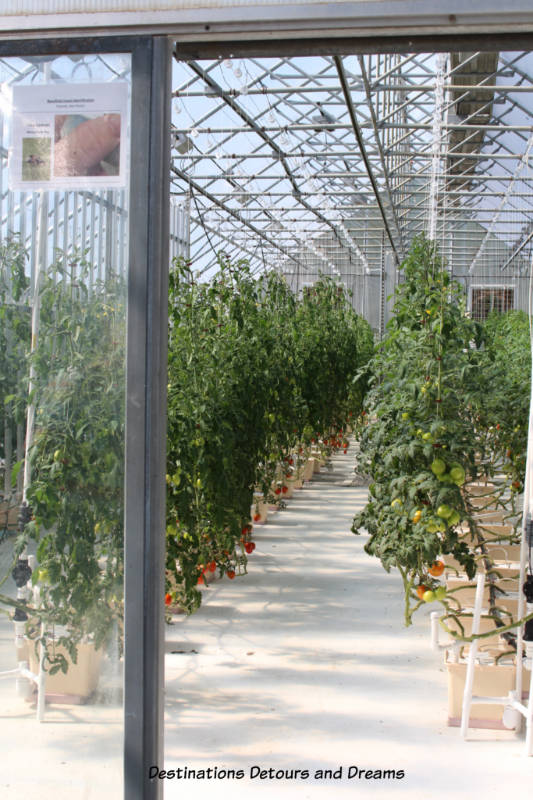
column 323, row 164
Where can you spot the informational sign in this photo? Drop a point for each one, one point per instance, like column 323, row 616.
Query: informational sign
column 69, row 136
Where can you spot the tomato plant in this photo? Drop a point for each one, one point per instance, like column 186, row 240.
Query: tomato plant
column 15, row 331
column 77, row 456
column 254, row 374
column 421, row 439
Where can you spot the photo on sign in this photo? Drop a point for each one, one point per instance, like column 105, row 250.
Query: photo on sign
column 36, row 158
column 86, row 145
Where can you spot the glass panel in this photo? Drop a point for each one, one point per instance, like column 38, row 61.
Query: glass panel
column 64, row 181
column 491, row 299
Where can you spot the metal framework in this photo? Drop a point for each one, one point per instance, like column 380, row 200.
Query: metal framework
column 319, row 164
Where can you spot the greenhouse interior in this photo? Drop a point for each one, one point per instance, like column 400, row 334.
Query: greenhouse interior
column 347, row 581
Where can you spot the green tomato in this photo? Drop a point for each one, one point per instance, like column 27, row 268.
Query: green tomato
column 440, row 593
column 427, row 436
column 438, row 466
column 435, row 526
column 445, row 478
column 429, row 596
column 397, row 504
column 43, row 575
column 444, row 511
column 405, row 415
column 457, row 474
column 454, row 518
column 57, row 455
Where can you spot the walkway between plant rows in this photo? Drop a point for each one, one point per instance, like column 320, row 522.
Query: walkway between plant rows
column 305, row 664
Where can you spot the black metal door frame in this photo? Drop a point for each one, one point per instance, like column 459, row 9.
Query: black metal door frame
column 146, row 382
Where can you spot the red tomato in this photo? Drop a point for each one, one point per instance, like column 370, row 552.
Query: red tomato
column 231, row 574
column 212, row 566
column 168, row 599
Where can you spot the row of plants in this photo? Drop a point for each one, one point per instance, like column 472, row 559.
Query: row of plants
column 14, row 341
column 447, row 407
column 507, row 362
column 73, row 381
column 256, row 375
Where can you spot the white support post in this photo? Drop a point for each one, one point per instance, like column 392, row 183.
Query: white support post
column 529, row 715
column 41, row 678
column 472, row 653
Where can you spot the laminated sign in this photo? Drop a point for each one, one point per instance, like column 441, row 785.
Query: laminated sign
column 62, row 133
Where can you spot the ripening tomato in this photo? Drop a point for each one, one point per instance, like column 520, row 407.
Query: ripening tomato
column 417, row 515
column 437, row 568
column 257, row 517
column 421, row 590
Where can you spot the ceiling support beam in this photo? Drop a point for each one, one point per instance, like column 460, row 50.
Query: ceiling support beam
column 362, row 148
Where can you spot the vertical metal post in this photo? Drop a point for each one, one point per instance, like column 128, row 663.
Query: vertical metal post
column 382, row 289
column 109, row 233
column 146, row 417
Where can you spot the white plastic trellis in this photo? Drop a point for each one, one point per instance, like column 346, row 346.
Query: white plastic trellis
column 515, row 709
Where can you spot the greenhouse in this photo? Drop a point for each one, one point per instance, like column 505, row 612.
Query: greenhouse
column 266, row 461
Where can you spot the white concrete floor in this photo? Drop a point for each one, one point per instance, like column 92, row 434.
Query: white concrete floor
column 305, row 663
column 302, row 664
